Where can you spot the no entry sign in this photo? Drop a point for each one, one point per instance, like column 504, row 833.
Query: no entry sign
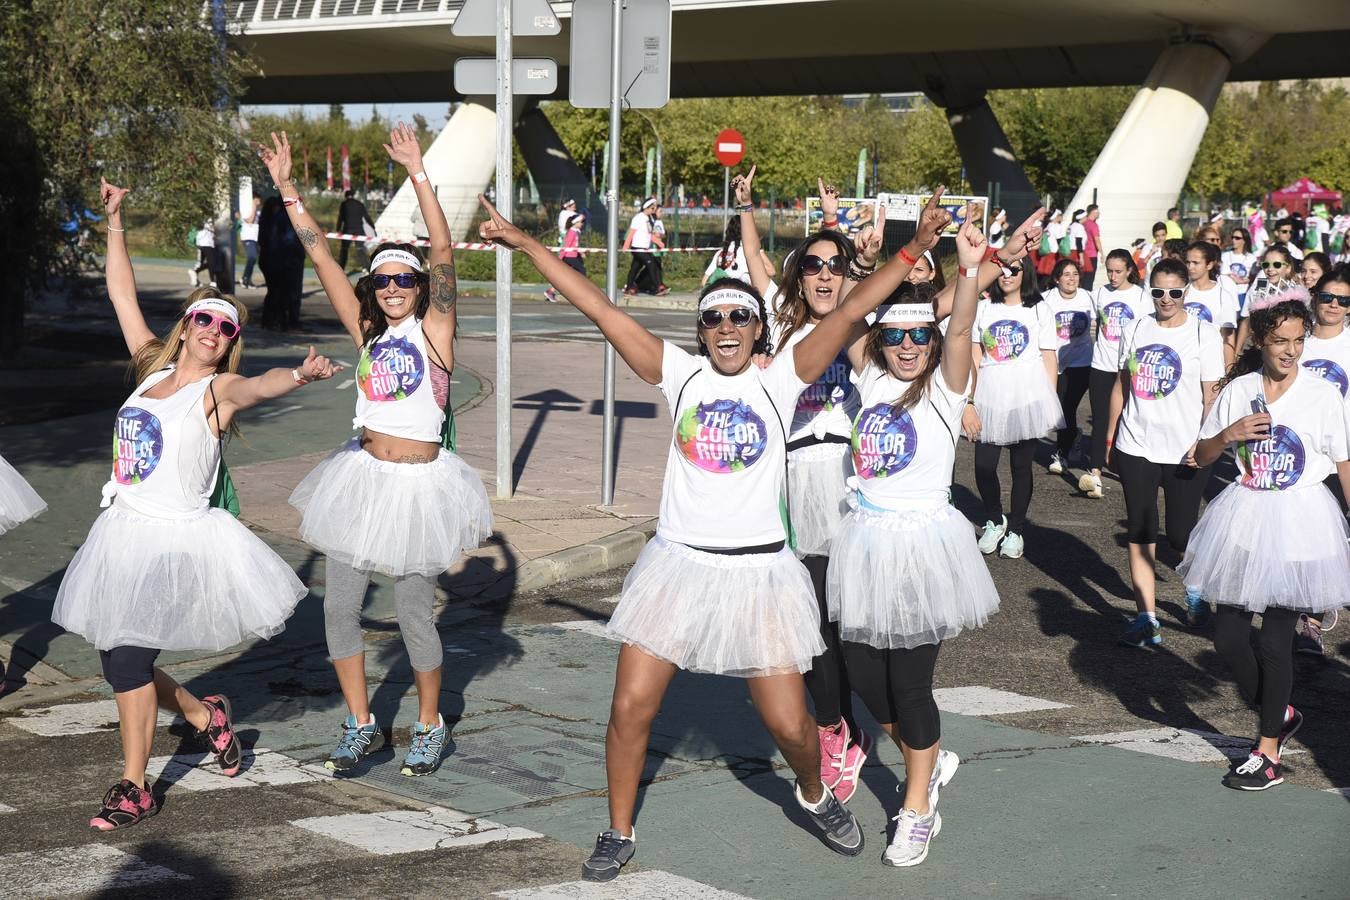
column 730, row 147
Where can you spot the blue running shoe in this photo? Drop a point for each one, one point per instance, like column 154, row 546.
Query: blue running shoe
column 428, row 743
column 1197, row 610
column 357, row 741
column 1142, row 632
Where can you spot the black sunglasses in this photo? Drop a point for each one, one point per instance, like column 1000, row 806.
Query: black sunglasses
column 919, row 334
column 404, row 280
column 1174, row 293
column 811, row 265
column 711, row 318
column 1329, row 297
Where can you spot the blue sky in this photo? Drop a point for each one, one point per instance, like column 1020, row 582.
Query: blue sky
column 360, row 112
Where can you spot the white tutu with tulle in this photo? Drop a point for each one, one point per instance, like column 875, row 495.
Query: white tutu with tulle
column 745, row 616
column 817, row 494
column 1016, row 405
column 395, row 518
column 18, row 501
column 203, row 582
column 1253, row 549
column 907, row 579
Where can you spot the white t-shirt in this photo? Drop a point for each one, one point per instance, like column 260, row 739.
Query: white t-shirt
column 1013, row 335
column 728, row 453
column 1073, row 325
column 904, row 460
column 563, row 217
column 1056, row 231
column 738, row 268
column 829, row 405
column 1241, row 267
column 1217, row 305
column 206, row 237
column 1078, row 235
column 1307, row 435
column 1329, row 359
column 1161, row 419
column 1114, row 311
column 641, row 226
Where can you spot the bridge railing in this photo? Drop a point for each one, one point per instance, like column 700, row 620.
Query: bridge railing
column 244, row 13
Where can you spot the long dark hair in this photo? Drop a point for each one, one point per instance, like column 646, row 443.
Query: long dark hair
column 1027, row 290
column 1059, row 268
column 1263, row 322
column 876, row 355
column 764, row 343
column 793, row 310
column 373, row 322
column 1131, row 267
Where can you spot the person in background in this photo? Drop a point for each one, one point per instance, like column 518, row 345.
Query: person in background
column 282, row 261
column 569, row 209
column 642, row 273
column 1284, row 234
column 570, row 252
column 1238, row 262
column 659, row 242
column 1078, row 240
column 1173, row 224
column 206, row 254
column 998, row 227
column 353, row 219
column 248, row 235
column 1093, row 249
column 1315, row 265
column 1146, row 255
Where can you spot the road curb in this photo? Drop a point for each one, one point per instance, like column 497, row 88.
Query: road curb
column 618, row 549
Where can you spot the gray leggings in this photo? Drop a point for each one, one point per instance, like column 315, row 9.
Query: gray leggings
column 413, row 597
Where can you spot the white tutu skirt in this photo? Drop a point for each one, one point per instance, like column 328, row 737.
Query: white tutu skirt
column 1254, row 549
column 907, row 579
column 395, row 518
column 200, row 583
column 18, row 501
column 745, row 615
column 817, row 495
column 1016, row 405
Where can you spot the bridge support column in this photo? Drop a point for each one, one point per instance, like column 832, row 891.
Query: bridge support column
column 985, row 151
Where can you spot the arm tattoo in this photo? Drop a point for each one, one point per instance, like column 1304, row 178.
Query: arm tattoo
column 444, row 291
column 307, row 236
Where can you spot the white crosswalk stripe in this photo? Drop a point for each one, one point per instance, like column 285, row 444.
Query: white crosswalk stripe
column 199, row 772
column 649, row 885
column 75, row 718
column 985, row 701
column 411, row 830
column 76, row 870
column 1185, row 744
column 6, row 808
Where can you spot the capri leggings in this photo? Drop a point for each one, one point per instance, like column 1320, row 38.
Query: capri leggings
column 413, row 597
column 1099, row 398
column 897, row 686
column 1071, row 385
column 1020, row 457
column 128, row 668
column 1265, row 675
column 827, row 681
column 1183, row 488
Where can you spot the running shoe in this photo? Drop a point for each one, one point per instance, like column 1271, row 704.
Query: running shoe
column 1256, row 773
column 913, row 836
column 838, row 826
column 1308, row 636
column 1197, row 610
column 1012, row 546
column 630, row 291
column 1293, row 721
column 220, row 734
column 833, row 746
column 943, row 772
column 992, row 534
column 551, row 295
column 123, row 806
column 357, row 741
column 1091, row 485
column 1057, row 465
column 428, row 743
column 1142, row 632
column 662, row 291
column 612, row 852
column 855, row 754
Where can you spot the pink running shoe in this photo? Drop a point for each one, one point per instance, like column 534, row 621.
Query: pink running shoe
column 851, row 766
column 220, row 735
column 123, row 806
column 833, row 745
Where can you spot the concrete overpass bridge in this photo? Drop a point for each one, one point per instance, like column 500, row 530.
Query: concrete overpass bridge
column 1180, row 53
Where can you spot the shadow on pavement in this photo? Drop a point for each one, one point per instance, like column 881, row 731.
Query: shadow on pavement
column 208, row 879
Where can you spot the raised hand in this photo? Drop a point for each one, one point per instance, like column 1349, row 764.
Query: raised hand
column 870, row 240
column 111, row 196
column 970, row 245
column 933, row 220
column 318, row 368
column 1025, row 236
column 277, row 158
column 740, row 187
column 498, row 230
column 404, row 149
column 829, row 200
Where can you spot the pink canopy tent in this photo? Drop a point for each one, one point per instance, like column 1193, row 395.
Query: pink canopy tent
column 1302, row 194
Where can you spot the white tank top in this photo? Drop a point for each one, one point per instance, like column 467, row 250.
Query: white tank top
column 400, row 391
column 164, row 454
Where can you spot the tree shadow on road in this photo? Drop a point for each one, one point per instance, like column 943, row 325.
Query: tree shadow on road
column 192, row 874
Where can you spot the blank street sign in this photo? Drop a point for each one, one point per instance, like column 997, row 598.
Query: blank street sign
column 645, row 64
column 529, row 18
column 477, row 75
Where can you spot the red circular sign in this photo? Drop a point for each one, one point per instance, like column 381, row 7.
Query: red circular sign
column 730, row 147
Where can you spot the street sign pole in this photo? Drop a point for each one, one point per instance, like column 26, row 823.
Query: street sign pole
column 726, row 197
column 729, row 148
column 505, row 196
column 612, row 245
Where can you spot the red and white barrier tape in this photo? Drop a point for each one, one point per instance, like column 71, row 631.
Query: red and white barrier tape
column 479, row 245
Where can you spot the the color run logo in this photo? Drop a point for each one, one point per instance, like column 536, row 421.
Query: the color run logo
column 1330, row 371
column 1113, row 318
column 829, row 390
column 1237, row 270
column 1200, row 311
column 721, row 436
column 391, row 370
column 1070, row 324
column 1155, row 371
column 884, row 442
column 1004, row 340
column 138, row 443
column 1274, row 464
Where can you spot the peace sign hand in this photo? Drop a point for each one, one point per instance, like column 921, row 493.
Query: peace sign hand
column 1027, row 235
column 740, row 187
column 933, row 220
column 870, row 240
column 829, row 199
column 497, row 230
column 277, row 158
column 111, row 195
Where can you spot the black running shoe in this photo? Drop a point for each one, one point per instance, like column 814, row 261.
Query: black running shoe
column 612, row 852
column 1291, row 725
column 838, row 826
column 1255, row 773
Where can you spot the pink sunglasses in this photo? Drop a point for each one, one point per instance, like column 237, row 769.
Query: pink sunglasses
column 203, row 319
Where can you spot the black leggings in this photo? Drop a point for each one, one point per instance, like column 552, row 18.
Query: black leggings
column 128, row 668
column 1182, row 487
column 897, row 686
column 1099, row 398
column 1265, row 674
column 1071, row 385
column 644, row 264
column 1020, row 457
column 827, row 682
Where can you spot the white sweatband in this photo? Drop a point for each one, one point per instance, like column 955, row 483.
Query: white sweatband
column 398, row 256
column 222, row 308
column 893, row 313
column 929, row 256
column 419, row 177
column 729, row 297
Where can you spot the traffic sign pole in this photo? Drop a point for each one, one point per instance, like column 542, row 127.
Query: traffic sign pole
column 612, row 243
column 729, row 148
column 726, row 198
column 505, row 191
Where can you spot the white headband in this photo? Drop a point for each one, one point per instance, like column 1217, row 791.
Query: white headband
column 394, row 254
column 929, row 256
column 892, row 313
column 729, row 297
column 223, row 308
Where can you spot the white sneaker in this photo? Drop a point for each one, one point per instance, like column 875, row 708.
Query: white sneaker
column 1091, row 485
column 1012, row 546
column 913, row 834
column 991, row 535
column 1057, row 464
column 192, row 278
column 943, row 771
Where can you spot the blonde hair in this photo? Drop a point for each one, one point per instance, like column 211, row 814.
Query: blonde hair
column 157, row 353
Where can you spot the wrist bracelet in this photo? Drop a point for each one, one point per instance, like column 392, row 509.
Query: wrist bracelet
column 745, row 207
column 830, row 223
column 299, row 379
column 111, row 228
column 419, row 177
column 294, row 201
column 971, row 271
column 904, row 255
